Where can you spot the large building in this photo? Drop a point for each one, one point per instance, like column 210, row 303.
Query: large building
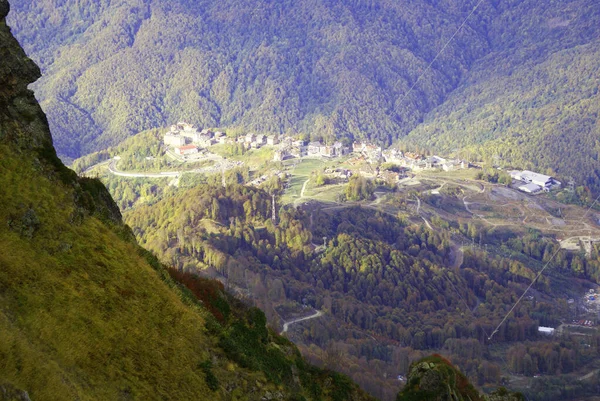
column 174, row 139
column 534, row 182
column 186, row 150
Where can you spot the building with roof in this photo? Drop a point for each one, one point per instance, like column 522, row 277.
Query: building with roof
column 532, row 180
column 186, row 150
column 530, row 188
column 261, row 139
column 546, row 330
column 173, row 139
column 250, row 138
column 314, row 148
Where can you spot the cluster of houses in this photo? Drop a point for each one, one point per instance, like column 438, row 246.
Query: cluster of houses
column 417, row 162
column 185, row 138
column 532, row 183
column 252, row 141
column 298, row 148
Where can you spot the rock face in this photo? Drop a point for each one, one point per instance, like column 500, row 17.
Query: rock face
column 8, row 392
column 435, row 379
column 22, row 121
column 24, row 128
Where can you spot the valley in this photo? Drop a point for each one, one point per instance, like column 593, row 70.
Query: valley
column 482, row 231
column 356, row 200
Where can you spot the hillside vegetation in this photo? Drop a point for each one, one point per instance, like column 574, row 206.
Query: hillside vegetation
column 533, row 106
column 87, row 314
column 519, row 81
column 329, row 68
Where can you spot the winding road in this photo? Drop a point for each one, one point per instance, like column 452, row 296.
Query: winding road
column 286, row 325
column 419, row 213
column 112, row 167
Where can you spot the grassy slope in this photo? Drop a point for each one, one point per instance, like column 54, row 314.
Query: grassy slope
column 82, row 314
column 87, row 314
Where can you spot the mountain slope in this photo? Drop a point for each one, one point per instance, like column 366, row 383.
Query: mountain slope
column 332, row 68
column 85, row 313
column 534, row 105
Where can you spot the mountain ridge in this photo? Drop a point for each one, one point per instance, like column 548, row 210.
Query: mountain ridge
column 85, row 313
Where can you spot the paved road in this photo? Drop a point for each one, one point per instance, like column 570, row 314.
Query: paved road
column 112, row 167
column 220, row 166
column 287, row 324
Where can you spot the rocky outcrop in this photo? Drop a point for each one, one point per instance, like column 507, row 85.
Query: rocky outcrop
column 436, row 379
column 22, row 121
column 24, row 129
column 7, row 391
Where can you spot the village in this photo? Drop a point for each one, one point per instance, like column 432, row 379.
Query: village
column 299, row 164
column 188, row 143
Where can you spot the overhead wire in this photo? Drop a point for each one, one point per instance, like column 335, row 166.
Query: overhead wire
column 441, row 51
column 538, row 275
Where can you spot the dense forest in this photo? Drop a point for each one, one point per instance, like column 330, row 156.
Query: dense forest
column 387, row 285
column 540, row 115
column 325, row 68
column 333, row 68
column 87, row 314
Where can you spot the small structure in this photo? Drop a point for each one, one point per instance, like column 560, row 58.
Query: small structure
column 186, row 150
column 299, row 149
column 339, row 149
column 173, row 139
column 546, row 330
column 205, row 140
column 358, row 147
column 261, row 139
column 280, row 155
column 451, row 165
column 314, row 148
column 327, row 151
column 272, row 140
column 434, row 162
column 250, row 138
column 530, row 188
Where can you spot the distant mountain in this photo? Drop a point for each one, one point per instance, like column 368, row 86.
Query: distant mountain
column 331, row 68
column 85, row 313
column 534, row 104
column 518, row 74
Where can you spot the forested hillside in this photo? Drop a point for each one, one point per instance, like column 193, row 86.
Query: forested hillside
column 87, row 314
column 331, row 68
column 534, row 105
column 519, row 73
column 386, row 285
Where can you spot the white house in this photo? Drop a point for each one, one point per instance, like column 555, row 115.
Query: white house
column 261, row 139
column 173, row 139
column 546, row 330
column 314, row 148
column 250, row 138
